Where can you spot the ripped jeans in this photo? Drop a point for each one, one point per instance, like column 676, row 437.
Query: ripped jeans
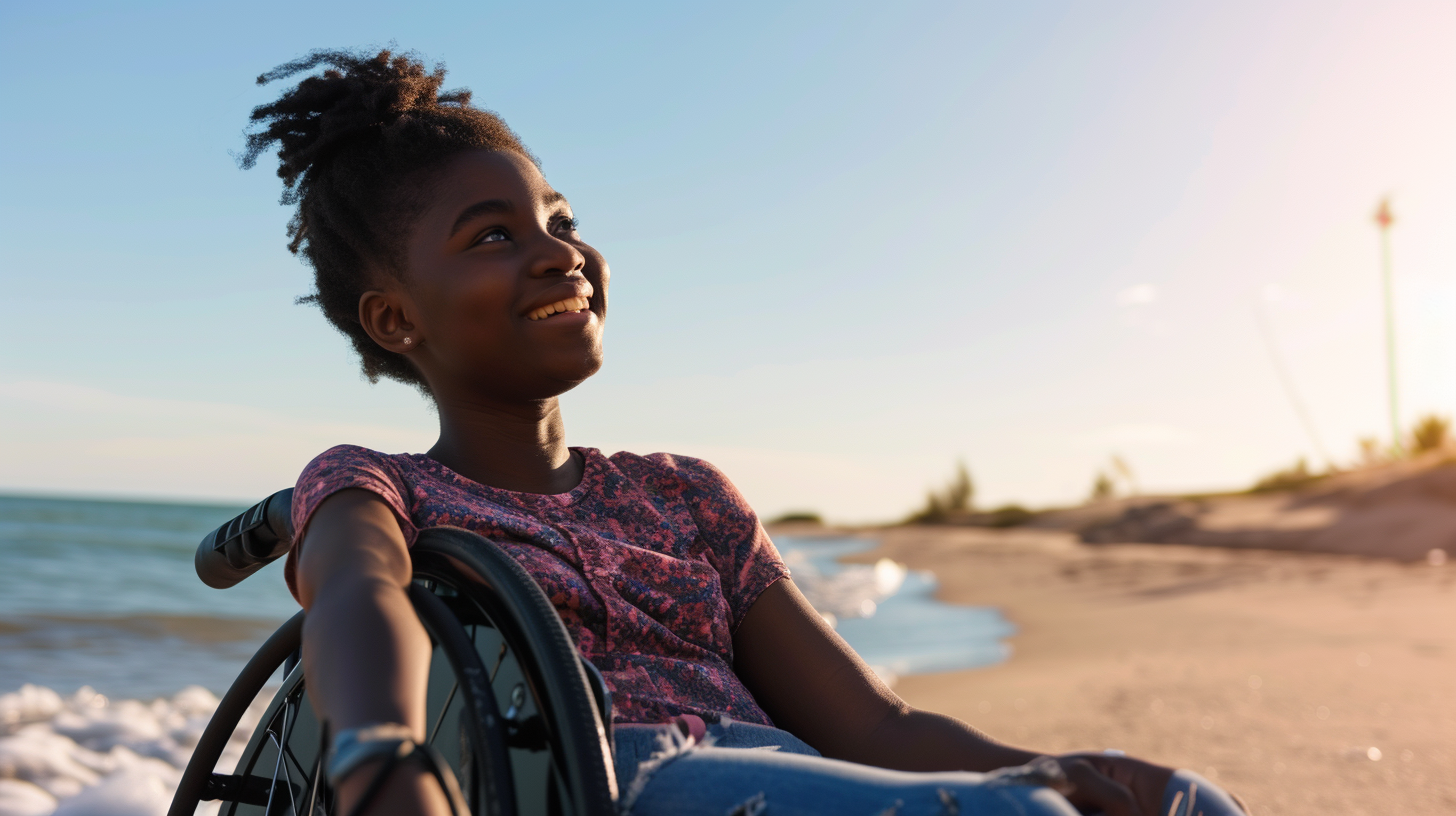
column 740, row 769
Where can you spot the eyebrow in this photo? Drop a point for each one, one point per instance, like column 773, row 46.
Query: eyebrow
column 496, row 205
column 479, row 208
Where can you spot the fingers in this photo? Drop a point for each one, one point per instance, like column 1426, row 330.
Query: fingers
column 1146, row 780
column 1090, row 788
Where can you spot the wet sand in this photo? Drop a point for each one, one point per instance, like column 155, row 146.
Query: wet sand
column 1274, row 673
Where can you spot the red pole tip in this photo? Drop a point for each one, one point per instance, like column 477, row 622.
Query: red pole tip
column 1382, row 215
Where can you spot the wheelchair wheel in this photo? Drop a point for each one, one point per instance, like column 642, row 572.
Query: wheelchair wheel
column 554, row 704
column 520, row 717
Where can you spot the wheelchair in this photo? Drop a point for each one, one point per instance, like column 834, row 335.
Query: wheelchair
column 523, row 721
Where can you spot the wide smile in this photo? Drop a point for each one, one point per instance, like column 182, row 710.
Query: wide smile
column 568, row 306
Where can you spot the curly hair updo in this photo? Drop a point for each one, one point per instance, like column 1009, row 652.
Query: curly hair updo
column 350, row 142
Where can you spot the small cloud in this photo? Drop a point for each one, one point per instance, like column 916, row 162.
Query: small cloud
column 1140, row 295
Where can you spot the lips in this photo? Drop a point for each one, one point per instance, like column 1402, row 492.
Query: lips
column 569, row 296
column 571, row 304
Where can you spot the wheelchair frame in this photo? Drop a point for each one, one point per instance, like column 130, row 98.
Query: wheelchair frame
column 532, row 718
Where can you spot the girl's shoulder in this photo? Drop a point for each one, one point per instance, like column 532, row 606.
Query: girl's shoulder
column 391, row 475
column 354, row 454
column 705, row 489
column 670, row 470
column 346, row 463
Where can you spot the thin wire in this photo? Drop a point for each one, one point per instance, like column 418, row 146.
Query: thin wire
column 1287, row 381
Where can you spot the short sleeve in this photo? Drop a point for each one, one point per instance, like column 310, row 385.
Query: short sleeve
column 346, row 467
column 743, row 554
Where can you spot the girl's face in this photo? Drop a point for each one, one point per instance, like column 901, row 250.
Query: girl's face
column 502, row 299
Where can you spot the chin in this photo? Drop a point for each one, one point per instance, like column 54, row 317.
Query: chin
column 570, row 376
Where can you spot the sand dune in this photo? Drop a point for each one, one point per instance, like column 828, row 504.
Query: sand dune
column 1401, row 511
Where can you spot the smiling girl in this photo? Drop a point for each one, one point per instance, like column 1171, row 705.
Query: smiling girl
column 451, row 264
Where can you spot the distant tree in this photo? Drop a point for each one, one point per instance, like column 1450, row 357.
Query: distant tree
column 1431, row 432
column 1102, row 488
column 960, row 491
column 957, row 497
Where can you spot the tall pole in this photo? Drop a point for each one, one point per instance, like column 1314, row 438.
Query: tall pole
column 1384, row 219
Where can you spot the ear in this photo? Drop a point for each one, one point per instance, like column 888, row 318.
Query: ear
column 385, row 315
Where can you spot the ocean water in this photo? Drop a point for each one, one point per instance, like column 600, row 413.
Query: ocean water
column 103, row 594
column 113, row 653
column 889, row 613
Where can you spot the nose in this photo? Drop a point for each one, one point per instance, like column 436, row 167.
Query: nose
column 556, row 257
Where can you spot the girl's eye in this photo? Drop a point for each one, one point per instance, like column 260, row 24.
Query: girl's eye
column 497, row 234
column 568, row 224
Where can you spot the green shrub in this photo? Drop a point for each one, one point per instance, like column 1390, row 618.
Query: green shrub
column 1011, row 515
column 798, row 517
column 1294, row 476
column 1431, row 432
column 954, row 499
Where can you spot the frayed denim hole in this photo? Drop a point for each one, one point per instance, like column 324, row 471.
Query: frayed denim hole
column 892, row 810
column 671, row 744
column 754, row 805
column 948, row 801
column 1013, row 804
column 1042, row 771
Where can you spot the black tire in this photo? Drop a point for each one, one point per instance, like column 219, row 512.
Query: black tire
column 198, row 782
column 563, row 724
column 518, row 715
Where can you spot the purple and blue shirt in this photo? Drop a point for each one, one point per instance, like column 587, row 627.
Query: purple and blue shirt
column 651, row 561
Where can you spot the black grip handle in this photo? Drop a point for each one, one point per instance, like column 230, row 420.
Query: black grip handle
column 247, row 543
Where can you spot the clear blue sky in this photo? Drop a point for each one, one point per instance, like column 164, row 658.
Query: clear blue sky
column 851, row 243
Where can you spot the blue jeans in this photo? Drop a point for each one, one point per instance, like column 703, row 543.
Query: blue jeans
column 741, row 769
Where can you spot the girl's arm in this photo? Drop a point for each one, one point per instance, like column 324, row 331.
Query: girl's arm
column 366, row 657
column 814, row 685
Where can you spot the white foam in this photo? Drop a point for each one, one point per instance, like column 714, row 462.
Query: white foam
column 85, row 755
column 852, row 591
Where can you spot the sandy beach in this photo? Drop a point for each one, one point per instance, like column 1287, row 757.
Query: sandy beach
column 1307, row 683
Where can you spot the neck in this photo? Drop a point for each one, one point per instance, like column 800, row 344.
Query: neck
column 520, row 447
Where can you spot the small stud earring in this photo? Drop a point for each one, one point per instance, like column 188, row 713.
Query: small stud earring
column 407, row 341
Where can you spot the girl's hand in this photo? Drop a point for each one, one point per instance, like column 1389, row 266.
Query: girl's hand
column 1115, row 785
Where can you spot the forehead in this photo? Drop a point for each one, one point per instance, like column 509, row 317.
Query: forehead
column 481, row 175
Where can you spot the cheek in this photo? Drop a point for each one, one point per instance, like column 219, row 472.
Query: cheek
column 601, row 280
column 481, row 309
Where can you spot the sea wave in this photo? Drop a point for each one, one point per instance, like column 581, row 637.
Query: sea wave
column 63, row 632
column 89, row 755
column 139, row 656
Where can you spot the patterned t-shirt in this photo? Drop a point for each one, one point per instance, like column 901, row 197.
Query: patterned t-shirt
column 652, row 562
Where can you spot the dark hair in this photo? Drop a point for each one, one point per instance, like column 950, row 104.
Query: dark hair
column 350, row 143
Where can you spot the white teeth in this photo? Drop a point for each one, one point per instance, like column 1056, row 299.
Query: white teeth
column 569, row 305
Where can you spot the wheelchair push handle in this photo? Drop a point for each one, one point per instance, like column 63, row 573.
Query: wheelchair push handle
column 247, row 543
